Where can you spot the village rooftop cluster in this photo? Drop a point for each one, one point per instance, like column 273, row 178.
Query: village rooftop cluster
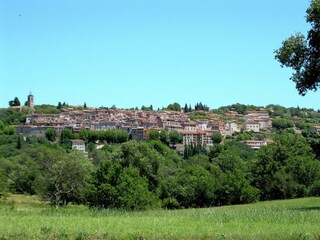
column 138, row 123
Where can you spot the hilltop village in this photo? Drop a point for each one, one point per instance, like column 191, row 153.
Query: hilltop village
column 179, row 157
column 138, row 123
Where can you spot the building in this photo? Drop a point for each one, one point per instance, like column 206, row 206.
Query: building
column 137, row 134
column 316, row 129
column 195, row 138
column 255, row 144
column 190, row 126
column 264, row 123
column 252, row 125
column 30, row 101
column 79, row 144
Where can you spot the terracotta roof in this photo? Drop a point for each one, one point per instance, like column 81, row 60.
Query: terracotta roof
column 77, row 140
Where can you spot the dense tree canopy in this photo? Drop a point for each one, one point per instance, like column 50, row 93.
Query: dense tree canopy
column 141, row 175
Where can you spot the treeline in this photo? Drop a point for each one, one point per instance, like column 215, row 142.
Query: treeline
column 275, row 111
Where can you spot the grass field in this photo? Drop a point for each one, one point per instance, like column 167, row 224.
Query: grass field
column 24, row 217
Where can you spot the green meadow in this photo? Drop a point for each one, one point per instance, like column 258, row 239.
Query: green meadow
column 25, row 217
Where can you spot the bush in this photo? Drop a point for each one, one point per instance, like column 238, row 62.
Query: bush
column 314, row 189
column 170, row 203
column 249, row 194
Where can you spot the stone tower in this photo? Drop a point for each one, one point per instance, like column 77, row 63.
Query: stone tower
column 30, row 102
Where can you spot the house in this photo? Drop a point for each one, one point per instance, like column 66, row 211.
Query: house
column 189, row 126
column 195, row 138
column 202, row 125
column 264, row 123
column 31, row 130
column 256, row 114
column 255, row 144
column 137, row 134
column 316, row 129
column 79, row 145
column 230, row 127
column 252, row 125
column 105, row 125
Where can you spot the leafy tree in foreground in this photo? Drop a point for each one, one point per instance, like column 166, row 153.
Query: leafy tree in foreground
column 116, row 187
column 65, row 179
column 303, row 54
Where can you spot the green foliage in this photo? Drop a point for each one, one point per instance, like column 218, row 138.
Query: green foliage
column 302, row 54
column 117, row 187
column 284, row 168
column 51, row 134
column 315, row 189
column 160, row 147
column 201, row 107
column 164, row 137
column 281, row 124
column 244, row 136
column 199, row 115
column 64, row 179
column 65, row 138
column 239, row 108
column 174, row 107
column 174, row 137
column 193, row 186
column 14, row 102
column 10, row 117
column 216, row 138
column 191, row 150
column 144, row 108
column 46, row 109
column 154, row 134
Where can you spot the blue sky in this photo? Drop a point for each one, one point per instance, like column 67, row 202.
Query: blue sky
column 132, row 52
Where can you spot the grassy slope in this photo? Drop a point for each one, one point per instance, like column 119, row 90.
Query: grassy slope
column 26, row 218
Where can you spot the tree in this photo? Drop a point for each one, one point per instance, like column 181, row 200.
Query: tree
column 193, row 186
column 174, row 137
column 302, row 54
column 116, row 187
column 216, row 138
column 154, row 134
column 186, row 109
column 65, row 138
column 164, row 136
column 174, row 107
column 85, row 105
column 59, row 105
column 14, row 102
column 65, row 180
column 51, row 134
column 282, row 123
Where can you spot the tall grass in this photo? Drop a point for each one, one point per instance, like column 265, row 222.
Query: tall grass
column 27, row 218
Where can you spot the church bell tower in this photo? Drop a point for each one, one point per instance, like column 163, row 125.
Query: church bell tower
column 30, row 102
